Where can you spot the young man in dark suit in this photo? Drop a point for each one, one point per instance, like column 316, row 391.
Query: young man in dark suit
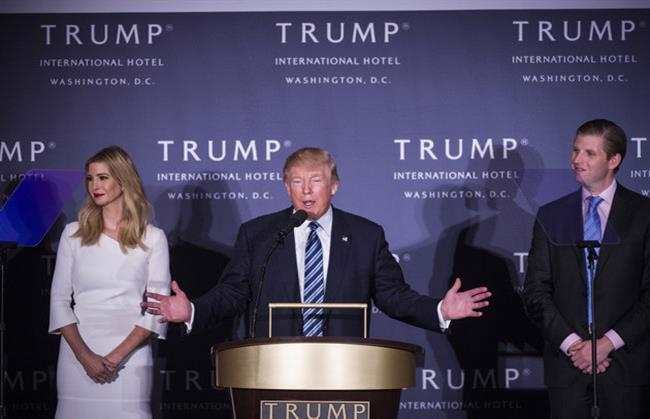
column 556, row 287
column 334, row 256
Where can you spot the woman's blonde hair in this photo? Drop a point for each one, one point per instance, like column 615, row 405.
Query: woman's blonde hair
column 135, row 210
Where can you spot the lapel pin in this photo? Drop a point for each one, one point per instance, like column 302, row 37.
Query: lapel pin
column 344, row 238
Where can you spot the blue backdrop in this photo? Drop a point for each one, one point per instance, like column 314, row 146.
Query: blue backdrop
column 450, row 128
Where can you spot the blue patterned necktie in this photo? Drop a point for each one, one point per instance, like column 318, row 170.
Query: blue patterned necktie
column 314, row 291
column 591, row 231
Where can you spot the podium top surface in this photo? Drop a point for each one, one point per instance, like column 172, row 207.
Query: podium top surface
column 320, row 363
column 415, row 349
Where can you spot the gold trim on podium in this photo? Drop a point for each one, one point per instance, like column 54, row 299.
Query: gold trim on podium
column 316, row 364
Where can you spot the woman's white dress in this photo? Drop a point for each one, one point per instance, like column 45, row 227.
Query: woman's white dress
column 107, row 287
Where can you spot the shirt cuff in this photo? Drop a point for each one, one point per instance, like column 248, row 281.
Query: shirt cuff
column 568, row 341
column 615, row 338
column 444, row 324
column 188, row 325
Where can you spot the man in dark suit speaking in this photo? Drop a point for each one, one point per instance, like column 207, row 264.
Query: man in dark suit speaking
column 333, row 256
column 556, row 289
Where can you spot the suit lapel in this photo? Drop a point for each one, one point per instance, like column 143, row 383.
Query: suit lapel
column 286, row 272
column 618, row 224
column 285, row 258
column 340, row 242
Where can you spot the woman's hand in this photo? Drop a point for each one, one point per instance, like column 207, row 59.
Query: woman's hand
column 114, row 359
column 99, row 369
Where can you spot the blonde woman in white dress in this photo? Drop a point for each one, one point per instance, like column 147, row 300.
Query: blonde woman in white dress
column 105, row 263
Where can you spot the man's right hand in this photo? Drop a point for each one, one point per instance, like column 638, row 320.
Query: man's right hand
column 172, row 308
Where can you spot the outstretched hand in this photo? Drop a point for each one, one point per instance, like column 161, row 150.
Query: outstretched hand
column 459, row 305
column 172, row 308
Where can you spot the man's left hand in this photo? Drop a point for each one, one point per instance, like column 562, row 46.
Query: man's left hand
column 582, row 357
column 458, row 305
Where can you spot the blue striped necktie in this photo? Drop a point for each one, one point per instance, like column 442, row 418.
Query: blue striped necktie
column 314, row 291
column 591, row 231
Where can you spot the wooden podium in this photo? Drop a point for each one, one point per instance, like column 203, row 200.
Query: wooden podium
column 318, row 377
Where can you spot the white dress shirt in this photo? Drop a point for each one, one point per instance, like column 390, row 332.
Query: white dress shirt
column 301, row 234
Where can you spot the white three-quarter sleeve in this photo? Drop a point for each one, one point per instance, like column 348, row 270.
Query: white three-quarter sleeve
column 61, row 313
column 158, row 280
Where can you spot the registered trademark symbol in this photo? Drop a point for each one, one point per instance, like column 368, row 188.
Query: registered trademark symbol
column 286, row 143
column 406, row 257
column 169, row 27
column 406, row 26
column 527, row 371
column 51, row 145
column 642, row 24
column 524, row 141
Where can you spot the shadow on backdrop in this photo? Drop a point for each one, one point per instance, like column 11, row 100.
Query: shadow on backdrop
column 483, row 255
column 197, row 261
column 475, row 235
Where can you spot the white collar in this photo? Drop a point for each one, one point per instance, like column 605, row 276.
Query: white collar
column 607, row 194
column 325, row 221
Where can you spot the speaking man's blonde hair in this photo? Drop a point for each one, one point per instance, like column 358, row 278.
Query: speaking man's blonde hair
column 311, row 156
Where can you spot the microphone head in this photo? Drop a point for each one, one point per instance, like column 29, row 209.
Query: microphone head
column 298, row 218
column 585, row 244
column 295, row 220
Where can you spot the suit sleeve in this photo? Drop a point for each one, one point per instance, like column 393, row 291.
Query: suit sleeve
column 634, row 326
column 393, row 296
column 230, row 297
column 539, row 289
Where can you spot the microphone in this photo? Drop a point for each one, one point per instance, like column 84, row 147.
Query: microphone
column 295, row 220
column 588, row 244
column 591, row 246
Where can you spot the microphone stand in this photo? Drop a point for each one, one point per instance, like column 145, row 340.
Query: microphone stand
column 276, row 243
column 592, row 256
column 295, row 220
column 4, row 257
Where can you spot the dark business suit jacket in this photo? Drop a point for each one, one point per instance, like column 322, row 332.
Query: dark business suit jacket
column 361, row 269
column 555, row 289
